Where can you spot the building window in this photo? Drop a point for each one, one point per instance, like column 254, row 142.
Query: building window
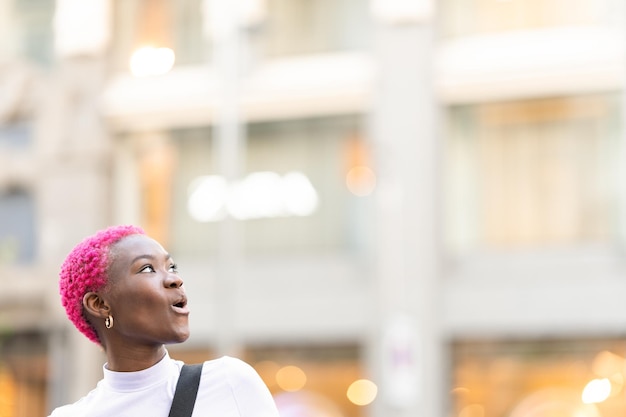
column 17, row 227
column 532, row 173
column 296, row 27
column 473, row 17
column 293, row 195
column 161, row 24
column 16, row 134
column 32, row 20
column 543, row 378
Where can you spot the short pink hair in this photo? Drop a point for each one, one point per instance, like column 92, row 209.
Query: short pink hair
column 85, row 269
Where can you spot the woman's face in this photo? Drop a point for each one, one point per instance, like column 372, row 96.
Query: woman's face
column 145, row 293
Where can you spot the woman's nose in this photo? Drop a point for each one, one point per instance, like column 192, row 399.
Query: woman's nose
column 173, row 281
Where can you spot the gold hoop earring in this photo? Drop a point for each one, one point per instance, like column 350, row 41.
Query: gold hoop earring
column 108, row 322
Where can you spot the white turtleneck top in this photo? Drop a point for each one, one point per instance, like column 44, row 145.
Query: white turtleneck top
column 229, row 387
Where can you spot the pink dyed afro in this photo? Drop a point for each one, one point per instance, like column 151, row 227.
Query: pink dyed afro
column 85, row 269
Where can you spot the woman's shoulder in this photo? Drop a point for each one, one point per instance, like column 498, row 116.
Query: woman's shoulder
column 69, row 410
column 232, row 372
column 229, row 365
column 238, row 384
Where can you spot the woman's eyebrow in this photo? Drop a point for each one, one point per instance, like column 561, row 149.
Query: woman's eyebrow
column 151, row 257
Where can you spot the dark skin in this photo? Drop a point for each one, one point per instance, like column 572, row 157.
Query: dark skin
column 144, row 295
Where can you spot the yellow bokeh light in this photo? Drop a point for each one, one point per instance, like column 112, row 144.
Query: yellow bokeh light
column 149, row 61
column 606, row 364
column 362, row 392
column 290, row 378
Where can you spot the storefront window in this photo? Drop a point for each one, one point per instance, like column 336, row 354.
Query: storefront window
column 23, row 375
column 314, row 381
column 532, row 173
column 547, row 378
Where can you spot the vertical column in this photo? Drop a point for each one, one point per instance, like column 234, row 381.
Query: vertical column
column 228, row 133
column 74, row 160
column 407, row 342
column 620, row 170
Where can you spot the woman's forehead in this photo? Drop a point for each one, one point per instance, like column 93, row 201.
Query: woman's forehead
column 136, row 245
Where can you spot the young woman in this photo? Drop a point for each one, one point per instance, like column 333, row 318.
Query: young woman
column 122, row 290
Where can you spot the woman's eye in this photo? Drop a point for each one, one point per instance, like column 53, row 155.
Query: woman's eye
column 174, row 268
column 147, row 268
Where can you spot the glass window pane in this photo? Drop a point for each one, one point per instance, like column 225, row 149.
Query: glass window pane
column 17, row 227
column 194, row 149
column 16, row 134
column 159, row 23
column 543, row 378
column 469, row 17
column 319, row 149
column 292, row 195
column 534, row 172
column 33, row 23
column 314, row 26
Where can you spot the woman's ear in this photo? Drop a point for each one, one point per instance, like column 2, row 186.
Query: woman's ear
column 95, row 305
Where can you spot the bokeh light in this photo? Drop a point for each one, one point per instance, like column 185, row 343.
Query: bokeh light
column 259, row 195
column 290, row 378
column 361, row 181
column 596, row 391
column 362, row 392
column 148, row 61
column 606, row 364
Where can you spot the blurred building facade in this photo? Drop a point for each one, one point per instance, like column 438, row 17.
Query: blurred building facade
column 389, row 208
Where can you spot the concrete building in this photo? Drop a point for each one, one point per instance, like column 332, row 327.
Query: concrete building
column 427, row 195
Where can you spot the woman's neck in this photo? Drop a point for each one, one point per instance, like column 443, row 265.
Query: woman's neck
column 135, row 358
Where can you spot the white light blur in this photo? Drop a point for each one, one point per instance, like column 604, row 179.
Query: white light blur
column 299, row 195
column 207, row 198
column 401, row 11
column 596, row 391
column 150, row 61
column 81, row 27
column 220, row 18
column 554, row 401
column 259, row 195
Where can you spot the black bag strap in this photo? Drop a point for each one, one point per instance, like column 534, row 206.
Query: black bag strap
column 186, row 391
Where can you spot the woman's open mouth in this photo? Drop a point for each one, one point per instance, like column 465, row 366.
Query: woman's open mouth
column 180, row 306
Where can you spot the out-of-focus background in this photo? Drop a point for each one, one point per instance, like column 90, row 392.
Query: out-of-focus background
column 387, row 207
